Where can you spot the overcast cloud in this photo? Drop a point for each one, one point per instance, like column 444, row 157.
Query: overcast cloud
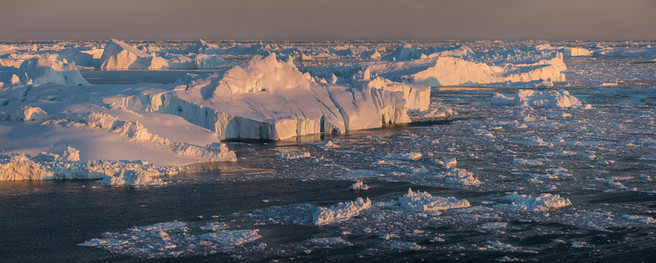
column 324, row 19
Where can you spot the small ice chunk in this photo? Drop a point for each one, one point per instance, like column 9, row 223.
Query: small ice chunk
column 459, row 176
column 537, row 141
column 214, row 226
column 340, row 212
column 406, row 156
column 329, row 145
column 423, row 202
column 649, row 157
column 494, row 225
column 640, row 219
column 159, row 227
column 542, row 203
column 27, row 113
column 447, row 163
column 232, row 237
column 291, row 156
column 526, row 162
column 359, row 185
column 402, row 245
column 329, row 241
column 500, row 246
column 579, row 244
column 136, row 177
column 546, row 99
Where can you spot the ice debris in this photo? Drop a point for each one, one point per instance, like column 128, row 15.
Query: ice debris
column 458, row 176
column 537, row 99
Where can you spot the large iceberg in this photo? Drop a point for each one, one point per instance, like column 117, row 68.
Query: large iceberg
column 265, row 98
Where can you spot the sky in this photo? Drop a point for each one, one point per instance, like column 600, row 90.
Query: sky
column 327, row 19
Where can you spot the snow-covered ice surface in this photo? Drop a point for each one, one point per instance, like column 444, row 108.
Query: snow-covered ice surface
column 505, row 168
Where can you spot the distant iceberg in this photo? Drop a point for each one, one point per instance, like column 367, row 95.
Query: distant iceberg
column 463, row 67
column 119, row 55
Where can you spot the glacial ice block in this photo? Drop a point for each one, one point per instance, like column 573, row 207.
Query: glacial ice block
column 120, row 55
column 265, row 98
column 47, row 69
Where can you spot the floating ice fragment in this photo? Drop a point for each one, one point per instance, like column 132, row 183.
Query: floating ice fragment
column 500, row 246
column 542, row 203
column 649, row 157
column 214, row 226
column 231, row 237
column 537, row 141
column 579, row 244
column 447, row 163
column 340, row 212
column 359, row 185
column 537, row 99
column 640, row 219
column 546, row 99
column 494, row 225
column 458, row 176
column 291, row 156
column 425, row 202
column 526, row 162
column 405, row 156
column 329, row 241
column 401, row 245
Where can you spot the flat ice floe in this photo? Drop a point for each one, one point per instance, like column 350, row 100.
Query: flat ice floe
column 171, row 239
column 425, row 202
column 537, row 99
column 67, row 166
column 544, row 202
